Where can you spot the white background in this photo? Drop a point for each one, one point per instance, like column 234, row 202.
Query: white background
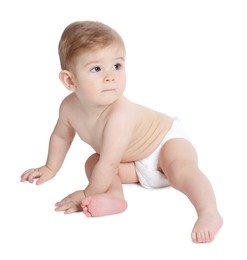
column 184, row 58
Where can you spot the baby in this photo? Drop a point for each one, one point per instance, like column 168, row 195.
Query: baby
column 132, row 143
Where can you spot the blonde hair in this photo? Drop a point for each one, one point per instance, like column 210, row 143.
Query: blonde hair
column 82, row 36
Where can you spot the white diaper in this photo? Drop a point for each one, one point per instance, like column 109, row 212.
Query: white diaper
column 147, row 169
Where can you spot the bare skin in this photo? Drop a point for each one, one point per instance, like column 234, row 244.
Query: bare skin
column 111, row 202
column 178, row 159
column 121, row 132
column 209, row 220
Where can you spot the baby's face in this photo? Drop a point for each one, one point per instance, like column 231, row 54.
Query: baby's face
column 100, row 76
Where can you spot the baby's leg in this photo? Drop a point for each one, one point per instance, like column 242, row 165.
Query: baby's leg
column 112, row 201
column 178, row 160
column 102, row 204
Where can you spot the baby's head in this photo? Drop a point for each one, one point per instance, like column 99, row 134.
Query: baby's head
column 83, row 36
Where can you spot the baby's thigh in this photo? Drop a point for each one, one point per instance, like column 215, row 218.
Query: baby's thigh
column 175, row 153
column 127, row 173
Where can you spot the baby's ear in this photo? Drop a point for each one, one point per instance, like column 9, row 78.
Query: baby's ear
column 66, row 77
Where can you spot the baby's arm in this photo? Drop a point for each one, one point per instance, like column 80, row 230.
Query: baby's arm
column 59, row 144
column 116, row 137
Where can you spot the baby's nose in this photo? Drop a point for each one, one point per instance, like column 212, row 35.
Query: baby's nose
column 109, row 78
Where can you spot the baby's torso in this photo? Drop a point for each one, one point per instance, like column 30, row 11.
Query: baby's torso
column 150, row 129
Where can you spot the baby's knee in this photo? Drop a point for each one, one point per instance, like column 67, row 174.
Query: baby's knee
column 90, row 163
column 178, row 170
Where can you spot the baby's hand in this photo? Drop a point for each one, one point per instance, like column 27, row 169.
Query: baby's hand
column 43, row 174
column 72, row 203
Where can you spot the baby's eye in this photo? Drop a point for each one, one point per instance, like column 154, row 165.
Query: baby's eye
column 118, row 66
column 96, row 69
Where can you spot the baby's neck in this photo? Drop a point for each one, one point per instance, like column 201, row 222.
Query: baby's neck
column 90, row 110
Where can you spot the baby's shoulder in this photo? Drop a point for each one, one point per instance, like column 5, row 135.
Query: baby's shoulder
column 68, row 101
column 124, row 107
column 67, row 105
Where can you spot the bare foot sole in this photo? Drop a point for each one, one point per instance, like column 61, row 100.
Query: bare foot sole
column 206, row 227
column 101, row 205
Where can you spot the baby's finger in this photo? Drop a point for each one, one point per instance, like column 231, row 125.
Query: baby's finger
column 33, row 174
column 64, row 200
column 26, row 174
column 43, row 178
column 74, row 208
column 64, row 206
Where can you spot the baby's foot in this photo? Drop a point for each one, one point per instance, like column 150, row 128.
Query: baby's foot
column 206, row 227
column 102, row 204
